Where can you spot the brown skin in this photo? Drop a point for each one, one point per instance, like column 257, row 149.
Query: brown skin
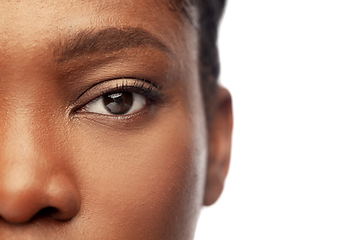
column 67, row 173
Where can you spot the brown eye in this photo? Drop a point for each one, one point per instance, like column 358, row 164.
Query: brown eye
column 121, row 103
column 118, row 103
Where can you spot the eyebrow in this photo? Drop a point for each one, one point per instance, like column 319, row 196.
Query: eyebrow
column 105, row 41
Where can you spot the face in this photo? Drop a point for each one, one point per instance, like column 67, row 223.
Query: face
column 102, row 124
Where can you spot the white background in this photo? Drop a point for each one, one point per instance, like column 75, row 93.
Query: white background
column 293, row 68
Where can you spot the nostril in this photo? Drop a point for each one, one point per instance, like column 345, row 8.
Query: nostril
column 47, row 213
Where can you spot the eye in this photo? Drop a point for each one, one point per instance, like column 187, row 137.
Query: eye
column 119, row 103
column 119, row 97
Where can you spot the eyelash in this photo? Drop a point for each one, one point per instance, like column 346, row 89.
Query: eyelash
column 139, row 86
column 152, row 92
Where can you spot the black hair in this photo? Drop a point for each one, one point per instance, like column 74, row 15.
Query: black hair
column 206, row 22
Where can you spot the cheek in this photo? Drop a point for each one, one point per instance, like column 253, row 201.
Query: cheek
column 151, row 178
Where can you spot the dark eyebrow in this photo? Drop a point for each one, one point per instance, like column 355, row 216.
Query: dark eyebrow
column 105, row 41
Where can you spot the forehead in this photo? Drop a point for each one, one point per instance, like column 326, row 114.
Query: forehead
column 27, row 24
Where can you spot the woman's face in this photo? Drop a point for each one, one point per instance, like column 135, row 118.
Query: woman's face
column 102, row 124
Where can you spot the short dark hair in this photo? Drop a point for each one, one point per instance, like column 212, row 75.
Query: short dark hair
column 209, row 13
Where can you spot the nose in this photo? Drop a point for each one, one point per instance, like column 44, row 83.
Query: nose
column 35, row 180
column 24, row 196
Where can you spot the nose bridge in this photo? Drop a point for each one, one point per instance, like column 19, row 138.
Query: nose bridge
column 27, row 132
column 27, row 109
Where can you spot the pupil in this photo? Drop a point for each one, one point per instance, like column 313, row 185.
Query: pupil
column 118, row 103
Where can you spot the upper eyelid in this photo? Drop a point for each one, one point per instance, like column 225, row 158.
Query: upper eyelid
column 125, row 83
